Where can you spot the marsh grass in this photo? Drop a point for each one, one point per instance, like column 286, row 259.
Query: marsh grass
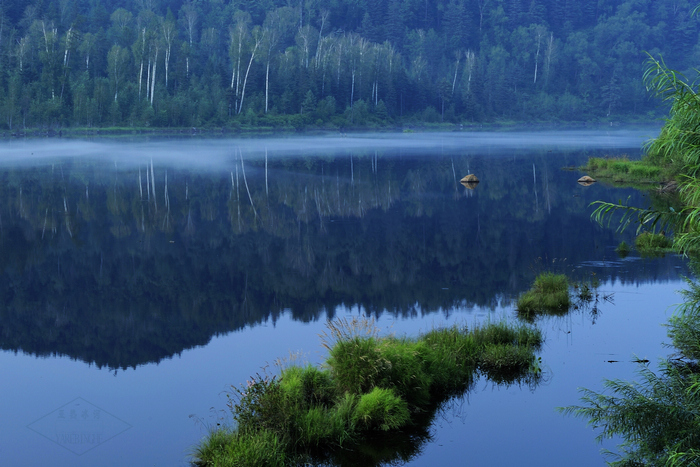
column 549, row 293
column 624, row 170
column 368, row 385
column 230, row 447
column 623, row 249
column 653, row 244
column 553, row 294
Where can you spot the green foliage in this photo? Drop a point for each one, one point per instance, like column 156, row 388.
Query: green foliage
column 605, row 212
column 452, row 359
column 370, row 385
column 619, row 167
column 550, row 293
column 623, row 249
column 406, row 371
column 648, row 243
column 500, row 361
column 657, row 417
column 676, row 149
column 381, row 409
column 640, row 171
column 624, row 170
column 357, row 364
column 380, row 60
column 597, row 163
column 224, row 447
column 505, row 334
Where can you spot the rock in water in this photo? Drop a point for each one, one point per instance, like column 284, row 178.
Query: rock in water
column 586, row 180
column 471, row 178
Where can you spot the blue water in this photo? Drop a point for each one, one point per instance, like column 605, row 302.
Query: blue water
column 122, row 337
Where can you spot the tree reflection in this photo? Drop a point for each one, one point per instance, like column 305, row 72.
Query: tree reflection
column 124, row 267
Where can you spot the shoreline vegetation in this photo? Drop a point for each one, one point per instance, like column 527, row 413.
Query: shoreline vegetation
column 658, row 416
column 370, row 388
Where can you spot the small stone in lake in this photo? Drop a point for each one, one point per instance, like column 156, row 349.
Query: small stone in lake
column 471, row 178
column 586, row 180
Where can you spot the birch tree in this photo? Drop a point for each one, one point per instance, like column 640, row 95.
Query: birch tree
column 169, row 32
column 539, row 32
column 549, row 57
column 469, row 65
column 237, row 36
column 189, row 19
column 117, row 59
column 87, row 48
column 258, row 36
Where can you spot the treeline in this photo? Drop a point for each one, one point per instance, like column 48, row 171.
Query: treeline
column 342, row 63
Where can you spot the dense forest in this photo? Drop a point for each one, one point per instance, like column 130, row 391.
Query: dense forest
column 340, row 63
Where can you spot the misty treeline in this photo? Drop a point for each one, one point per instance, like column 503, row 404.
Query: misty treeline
column 341, row 63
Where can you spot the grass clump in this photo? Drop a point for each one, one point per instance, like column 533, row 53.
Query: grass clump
column 232, row 447
column 623, row 250
column 621, row 169
column 549, row 293
column 369, row 385
column 381, row 409
column 553, row 294
column 653, row 244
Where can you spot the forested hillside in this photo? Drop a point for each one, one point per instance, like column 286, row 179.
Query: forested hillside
column 165, row 63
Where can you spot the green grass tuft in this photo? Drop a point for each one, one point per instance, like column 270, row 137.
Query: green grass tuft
column 368, row 385
column 550, row 293
column 381, row 409
column 232, row 448
column 623, row 249
column 648, row 242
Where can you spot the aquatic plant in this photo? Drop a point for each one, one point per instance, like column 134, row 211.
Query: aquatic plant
column 368, row 385
column 549, row 293
column 658, row 417
column 621, row 169
column 623, row 249
column 648, row 243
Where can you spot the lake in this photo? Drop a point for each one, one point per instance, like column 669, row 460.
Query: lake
column 142, row 277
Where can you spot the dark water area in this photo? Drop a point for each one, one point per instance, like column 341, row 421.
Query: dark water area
column 140, row 279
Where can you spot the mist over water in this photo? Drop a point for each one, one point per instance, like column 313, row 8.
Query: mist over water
column 216, row 154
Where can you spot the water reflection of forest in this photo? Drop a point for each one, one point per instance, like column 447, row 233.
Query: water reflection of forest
column 127, row 267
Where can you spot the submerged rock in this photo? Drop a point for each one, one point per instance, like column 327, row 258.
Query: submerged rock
column 586, row 181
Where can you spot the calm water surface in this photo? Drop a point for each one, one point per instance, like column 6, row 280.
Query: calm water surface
column 141, row 279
